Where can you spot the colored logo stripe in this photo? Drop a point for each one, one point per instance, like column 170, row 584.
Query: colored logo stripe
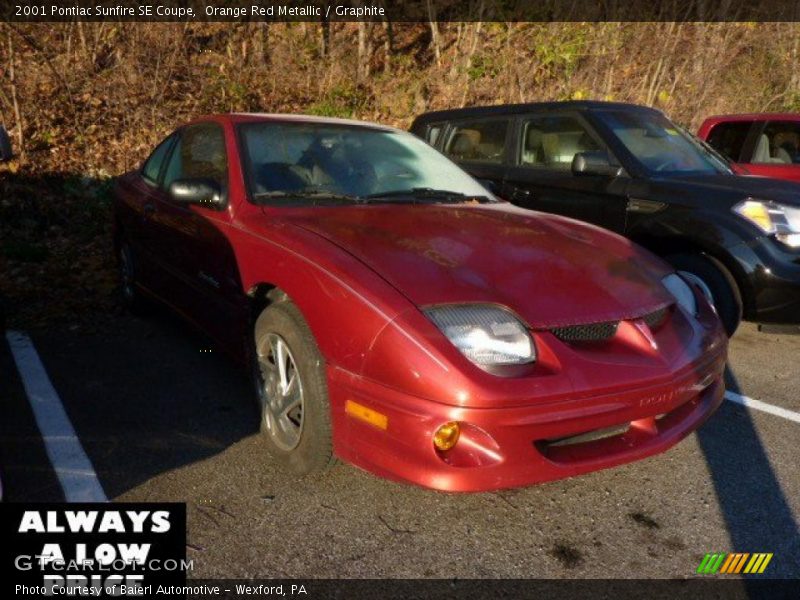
column 721, row 562
column 711, row 563
column 734, row 563
column 758, row 563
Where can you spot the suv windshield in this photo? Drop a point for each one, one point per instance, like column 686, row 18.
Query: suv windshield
column 659, row 145
column 310, row 162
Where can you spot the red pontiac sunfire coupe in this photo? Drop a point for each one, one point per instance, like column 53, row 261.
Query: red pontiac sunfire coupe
column 400, row 317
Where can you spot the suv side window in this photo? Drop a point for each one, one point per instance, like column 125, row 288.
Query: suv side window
column 728, row 138
column 152, row 166
column 199, row 153
column 779, row 144
column 552, row 141
column 478, row 141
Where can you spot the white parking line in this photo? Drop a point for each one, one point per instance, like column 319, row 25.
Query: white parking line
column 70, row 463
column 762, row 406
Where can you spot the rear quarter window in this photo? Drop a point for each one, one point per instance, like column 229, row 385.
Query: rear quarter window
column 728, row 138
column 478, row 140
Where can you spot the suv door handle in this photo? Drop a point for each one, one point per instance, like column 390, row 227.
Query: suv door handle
column 518, row 193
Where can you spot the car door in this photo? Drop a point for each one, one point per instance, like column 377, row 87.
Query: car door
column 774, row 150
column 204, row 278
column 479, row 145
column 137, row 205
column 541, row 177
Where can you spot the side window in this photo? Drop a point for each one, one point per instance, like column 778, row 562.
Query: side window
column 432, row 133
column 481, row 141
column 152, row 166
column 778, row 144
column 199, row 153
column 728, row 138
column 552, row 141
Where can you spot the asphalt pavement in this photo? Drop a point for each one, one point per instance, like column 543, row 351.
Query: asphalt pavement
column 162, row 416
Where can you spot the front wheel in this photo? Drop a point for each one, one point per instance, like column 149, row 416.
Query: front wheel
column 717, row 282
column 289, row 376
column 132, row 298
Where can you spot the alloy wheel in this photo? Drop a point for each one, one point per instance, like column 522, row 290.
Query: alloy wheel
column 281, row 392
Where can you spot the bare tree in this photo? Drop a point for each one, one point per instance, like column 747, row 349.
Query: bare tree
column 388, row 45
column 12, row 79
column 437, row 52
column 364, row 49
column 325, row 41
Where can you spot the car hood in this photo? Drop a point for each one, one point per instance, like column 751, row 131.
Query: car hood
column 552, row 271
column 731, row 189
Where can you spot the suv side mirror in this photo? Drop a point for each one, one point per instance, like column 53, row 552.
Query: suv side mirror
column 204, row 192
column 594, row 163
column 6, row 153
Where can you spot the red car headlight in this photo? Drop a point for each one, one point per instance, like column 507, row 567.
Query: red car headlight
column 487, row 335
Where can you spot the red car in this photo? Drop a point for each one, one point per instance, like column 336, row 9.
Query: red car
column 400, row 317
column 757, row 144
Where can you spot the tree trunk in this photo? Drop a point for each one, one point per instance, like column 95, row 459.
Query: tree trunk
column 260, row 53
column 437, row 53
column 364, row 49
column 325, row 44
column 12, row 79
column 388, row 46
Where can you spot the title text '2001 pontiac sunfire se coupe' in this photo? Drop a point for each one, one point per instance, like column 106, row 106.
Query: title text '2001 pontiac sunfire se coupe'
column 398, row 316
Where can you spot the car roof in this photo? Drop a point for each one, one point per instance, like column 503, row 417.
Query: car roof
column 513, row 109
column 236, row 118
column 754, row 117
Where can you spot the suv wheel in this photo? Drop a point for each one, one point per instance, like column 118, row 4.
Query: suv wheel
column 712, row 276
column 291, row 386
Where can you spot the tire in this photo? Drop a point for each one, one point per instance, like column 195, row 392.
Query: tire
column 132, row 298
column 719, row 282
column 298, row 438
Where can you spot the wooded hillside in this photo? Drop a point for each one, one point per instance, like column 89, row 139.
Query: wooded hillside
column 92, row 97
column 87, row 101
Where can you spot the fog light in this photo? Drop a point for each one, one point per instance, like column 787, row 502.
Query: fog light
column 446, row 436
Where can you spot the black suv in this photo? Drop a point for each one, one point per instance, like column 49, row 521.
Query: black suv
column 630, row 169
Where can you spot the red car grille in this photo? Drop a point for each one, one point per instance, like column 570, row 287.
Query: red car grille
column 593, row 332
column 656, row 318
column 601, row 332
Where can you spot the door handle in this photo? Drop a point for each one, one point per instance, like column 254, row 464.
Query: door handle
column 520, row 193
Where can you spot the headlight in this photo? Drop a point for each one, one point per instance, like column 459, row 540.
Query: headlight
column 681, row 291
column 487, row 335
column 773, row 218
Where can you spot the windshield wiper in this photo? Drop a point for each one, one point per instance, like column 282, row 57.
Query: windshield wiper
column 423, row 194
column 305, row 195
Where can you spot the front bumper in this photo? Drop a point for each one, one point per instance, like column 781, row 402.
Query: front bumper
column 512, row 447
column 773, row 279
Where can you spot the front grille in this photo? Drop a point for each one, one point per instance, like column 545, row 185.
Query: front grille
column 593, row 332
column 602, row 332
column 656, row 318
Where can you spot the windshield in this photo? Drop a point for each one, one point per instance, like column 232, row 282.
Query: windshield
column 310, row 162
column 659, row 145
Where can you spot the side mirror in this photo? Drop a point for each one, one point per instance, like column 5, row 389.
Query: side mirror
column 204, row 192
column 6, row 153
column 594, row 163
